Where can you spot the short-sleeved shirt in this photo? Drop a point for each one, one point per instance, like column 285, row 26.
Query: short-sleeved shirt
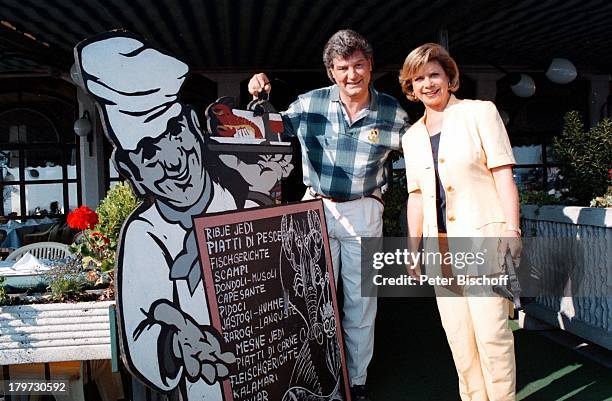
column 343, row 159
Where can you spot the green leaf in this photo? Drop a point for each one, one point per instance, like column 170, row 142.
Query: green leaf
column 585, row 157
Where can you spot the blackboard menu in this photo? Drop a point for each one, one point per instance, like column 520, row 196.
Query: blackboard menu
column 271, row 294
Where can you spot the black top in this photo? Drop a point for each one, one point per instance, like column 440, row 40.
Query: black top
column 440, row 194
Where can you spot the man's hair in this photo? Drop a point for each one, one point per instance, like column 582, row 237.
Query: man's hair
column 421, row 56
column 343, row 44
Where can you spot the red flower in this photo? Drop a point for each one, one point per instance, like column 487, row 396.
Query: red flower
column 82, row 218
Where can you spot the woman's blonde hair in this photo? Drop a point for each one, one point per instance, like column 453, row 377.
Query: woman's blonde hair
column 421, row 56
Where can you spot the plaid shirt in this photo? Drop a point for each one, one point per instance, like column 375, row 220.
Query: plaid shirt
column 342, row 160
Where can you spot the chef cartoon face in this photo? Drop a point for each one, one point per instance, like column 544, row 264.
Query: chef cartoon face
column 171, row 166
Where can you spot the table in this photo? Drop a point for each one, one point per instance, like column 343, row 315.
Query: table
column 19, row 280
column 15, row 230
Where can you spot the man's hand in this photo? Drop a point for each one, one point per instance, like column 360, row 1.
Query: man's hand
column 258, row 83
column 197, row 347
column 264, row 175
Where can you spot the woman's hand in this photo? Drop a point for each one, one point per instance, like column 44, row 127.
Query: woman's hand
column 414, row 269
column 414, row 212
column 509, row 199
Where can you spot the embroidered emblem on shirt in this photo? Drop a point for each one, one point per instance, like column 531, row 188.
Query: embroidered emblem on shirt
column 373, row 137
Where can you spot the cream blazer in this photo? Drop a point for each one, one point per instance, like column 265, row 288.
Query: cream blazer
column 473, row 141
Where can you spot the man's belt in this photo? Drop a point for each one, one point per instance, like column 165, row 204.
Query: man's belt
column 343, row 200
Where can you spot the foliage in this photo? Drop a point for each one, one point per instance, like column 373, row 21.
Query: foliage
column 82, row 218
column 114, row 209
column 94, row 250
column 394, row 156
column 67, row 279
column 395, row 198
column 97, row 247
column 3, row 296
column 539, row 198
column 585, row 157
column 603, row 201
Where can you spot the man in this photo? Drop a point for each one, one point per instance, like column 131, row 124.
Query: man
column 346, row 132
column 166, row 337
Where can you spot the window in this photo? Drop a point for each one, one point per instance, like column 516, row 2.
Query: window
column 533, row 123
column 39, row 171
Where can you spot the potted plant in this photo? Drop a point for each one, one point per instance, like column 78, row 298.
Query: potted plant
column 96, row 245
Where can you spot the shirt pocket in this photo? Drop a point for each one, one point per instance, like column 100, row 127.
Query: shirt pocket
column 317, row 139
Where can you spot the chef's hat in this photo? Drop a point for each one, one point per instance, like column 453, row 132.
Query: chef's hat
column 136, row 86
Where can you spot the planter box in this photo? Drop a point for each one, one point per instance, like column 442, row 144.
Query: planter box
column 588, row 271
column 54, row 332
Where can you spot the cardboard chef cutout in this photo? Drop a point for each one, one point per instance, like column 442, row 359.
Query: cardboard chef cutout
column 166, row 337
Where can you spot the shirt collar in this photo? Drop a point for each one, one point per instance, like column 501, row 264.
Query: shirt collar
column 335, row 96
column 334, row 93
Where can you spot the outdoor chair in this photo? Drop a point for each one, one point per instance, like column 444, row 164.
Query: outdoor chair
column 42, row 250
column 42, row 236
column 66, row 234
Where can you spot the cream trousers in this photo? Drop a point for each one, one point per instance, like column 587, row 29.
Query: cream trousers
column 482, row 345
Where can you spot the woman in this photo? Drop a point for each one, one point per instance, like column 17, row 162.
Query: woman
column 459, row 174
